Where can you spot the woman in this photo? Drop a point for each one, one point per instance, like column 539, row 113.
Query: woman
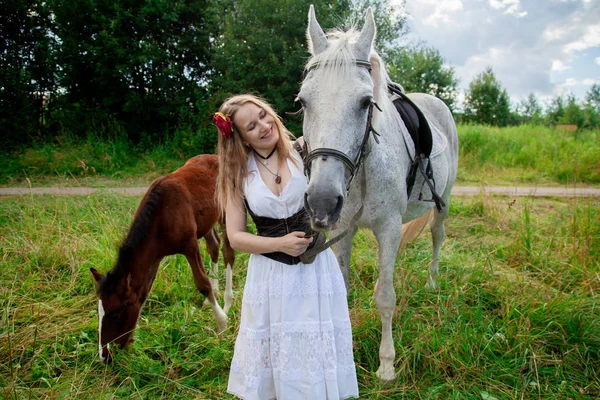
column 295, row 338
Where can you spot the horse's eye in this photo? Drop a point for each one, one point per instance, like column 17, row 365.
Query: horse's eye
column 366, row 102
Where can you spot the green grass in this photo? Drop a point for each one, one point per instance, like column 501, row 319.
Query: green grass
column 517, row 314
column 528, row 155
column 521, row 155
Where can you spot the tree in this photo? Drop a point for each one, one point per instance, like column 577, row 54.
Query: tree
column 530, row 110
column 139, row 65
column 390, row 22
column 263, row 48
column 573, row 113
column 486, row 102
column 422, row 69
column 26, row 69
column 555, row 110
column 592, row 106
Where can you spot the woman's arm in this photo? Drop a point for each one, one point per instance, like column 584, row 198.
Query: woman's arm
column 293, row 243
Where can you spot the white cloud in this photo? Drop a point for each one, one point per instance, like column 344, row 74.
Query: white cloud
column 510, row 7
column 528, row 55
column 589, row 82
column 570, row 82
column 590, row 38
column 442, row 11
column 553, row 34
column 558, row 65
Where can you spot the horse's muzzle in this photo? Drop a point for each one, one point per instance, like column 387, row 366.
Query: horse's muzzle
column 324, row 211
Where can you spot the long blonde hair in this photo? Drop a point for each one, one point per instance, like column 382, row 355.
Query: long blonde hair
column 233, row 153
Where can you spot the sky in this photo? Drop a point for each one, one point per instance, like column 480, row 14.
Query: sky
column 545, row 47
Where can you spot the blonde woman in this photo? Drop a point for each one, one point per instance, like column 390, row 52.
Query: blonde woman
column 295, row 338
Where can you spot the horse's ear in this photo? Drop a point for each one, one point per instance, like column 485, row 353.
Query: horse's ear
column 317, row 41
column 97, row 276
column 367, row 36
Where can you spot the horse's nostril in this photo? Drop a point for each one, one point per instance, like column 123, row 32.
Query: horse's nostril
column 339, row 205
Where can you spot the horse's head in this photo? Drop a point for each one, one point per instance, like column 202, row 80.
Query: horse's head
column 118, row 312
column 337, row 95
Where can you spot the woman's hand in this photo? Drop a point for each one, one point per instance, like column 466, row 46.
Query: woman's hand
column 294, row 243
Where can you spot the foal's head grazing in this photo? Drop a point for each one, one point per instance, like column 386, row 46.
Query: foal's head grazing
column 118, row 312
column 119, row 299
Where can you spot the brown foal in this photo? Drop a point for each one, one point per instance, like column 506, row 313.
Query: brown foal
column 176, row 211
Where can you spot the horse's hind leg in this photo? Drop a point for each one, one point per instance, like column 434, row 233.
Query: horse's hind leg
column 437, row 236
column 212, row 246
column 192, row 253
column 229, row 258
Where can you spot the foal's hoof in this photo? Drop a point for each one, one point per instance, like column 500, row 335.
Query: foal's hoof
column 430, row 285
column 386, row 374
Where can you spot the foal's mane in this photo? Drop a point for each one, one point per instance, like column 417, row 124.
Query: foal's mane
column 336, row 64
column 137, row 234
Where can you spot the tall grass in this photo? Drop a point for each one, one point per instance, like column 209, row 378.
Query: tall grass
column 507, row 156
column 99, row 160
column 528, row 154
column 517, row 314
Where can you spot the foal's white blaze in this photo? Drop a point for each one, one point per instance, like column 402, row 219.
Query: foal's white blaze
column 100, row 317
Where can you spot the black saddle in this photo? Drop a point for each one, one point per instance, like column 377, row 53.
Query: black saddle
column 420, row 132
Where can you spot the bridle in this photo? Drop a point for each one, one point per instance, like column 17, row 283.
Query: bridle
column 355, row 165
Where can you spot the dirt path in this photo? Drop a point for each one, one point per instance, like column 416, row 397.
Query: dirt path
column 456, row 191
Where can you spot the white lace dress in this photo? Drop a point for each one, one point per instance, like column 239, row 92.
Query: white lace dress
column 295, row 338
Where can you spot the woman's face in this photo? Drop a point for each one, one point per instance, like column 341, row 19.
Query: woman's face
column 257, row 127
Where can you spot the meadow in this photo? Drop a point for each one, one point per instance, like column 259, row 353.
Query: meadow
column 517, row 314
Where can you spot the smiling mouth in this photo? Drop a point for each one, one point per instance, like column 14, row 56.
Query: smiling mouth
column 268, row 135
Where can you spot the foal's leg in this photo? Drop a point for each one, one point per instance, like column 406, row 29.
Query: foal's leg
column 192, row 253
column 343, row 253
column 229, row 258
column 388, row 238
column 437, row 236
column 212, row 247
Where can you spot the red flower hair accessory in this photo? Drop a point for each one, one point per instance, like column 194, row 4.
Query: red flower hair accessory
column 224, row 124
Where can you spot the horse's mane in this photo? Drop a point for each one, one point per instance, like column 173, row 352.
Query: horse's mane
column 137, row 234
column 337, row 61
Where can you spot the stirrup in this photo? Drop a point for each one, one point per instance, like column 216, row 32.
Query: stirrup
column 427, row 173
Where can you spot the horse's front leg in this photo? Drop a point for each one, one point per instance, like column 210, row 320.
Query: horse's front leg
column 388, row 236
column 343, row 253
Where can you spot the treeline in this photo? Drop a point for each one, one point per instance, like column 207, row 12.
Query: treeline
column 153, row 71
column 487, row 102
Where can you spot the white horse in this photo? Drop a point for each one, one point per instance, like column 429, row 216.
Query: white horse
column 344, row 78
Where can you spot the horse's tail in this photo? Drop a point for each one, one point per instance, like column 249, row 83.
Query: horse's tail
column 411, row 230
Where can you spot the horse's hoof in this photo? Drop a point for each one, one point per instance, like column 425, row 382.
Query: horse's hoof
column 228, row 303
column 222, row 322
column 386, row 374
column 431, row 285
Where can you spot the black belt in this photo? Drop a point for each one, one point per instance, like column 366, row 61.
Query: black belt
column 275, row 227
